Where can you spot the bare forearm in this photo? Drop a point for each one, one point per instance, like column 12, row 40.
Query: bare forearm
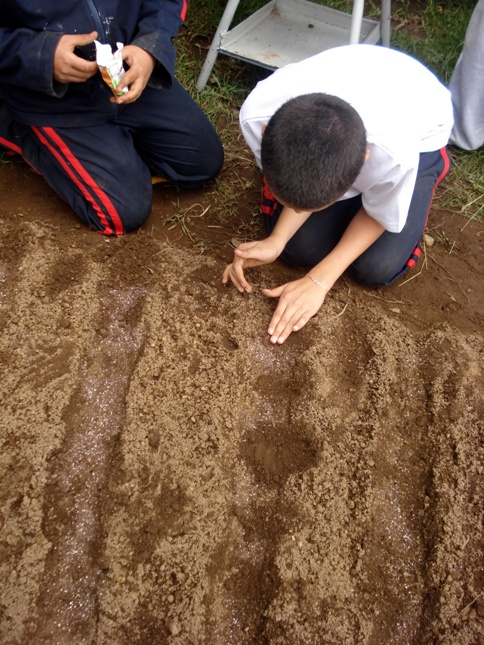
column 361, row 233
column 289, row 222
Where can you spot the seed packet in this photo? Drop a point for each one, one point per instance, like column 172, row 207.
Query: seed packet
column 111, row 66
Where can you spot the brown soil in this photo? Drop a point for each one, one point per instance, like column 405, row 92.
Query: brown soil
column 169, row 476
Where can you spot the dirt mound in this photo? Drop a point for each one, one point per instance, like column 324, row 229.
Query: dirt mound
column 169, row 476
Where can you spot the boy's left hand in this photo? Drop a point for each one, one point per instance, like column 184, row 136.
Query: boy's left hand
column 298, row 302
column 141, row 65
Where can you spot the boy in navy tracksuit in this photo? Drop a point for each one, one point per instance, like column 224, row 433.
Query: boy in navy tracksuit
column 98, row 151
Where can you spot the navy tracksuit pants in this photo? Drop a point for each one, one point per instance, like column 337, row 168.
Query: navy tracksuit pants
column 387, row 259
column 104, row 171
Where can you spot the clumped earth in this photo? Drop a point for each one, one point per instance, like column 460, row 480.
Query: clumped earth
column 169, row 476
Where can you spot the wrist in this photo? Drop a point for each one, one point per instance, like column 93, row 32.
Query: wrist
column 278, row 242
column 322, row 286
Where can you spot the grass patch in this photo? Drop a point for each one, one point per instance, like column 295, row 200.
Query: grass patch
column 464, row 192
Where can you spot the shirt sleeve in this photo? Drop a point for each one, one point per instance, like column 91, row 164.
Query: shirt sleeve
column 258, row 108
column 252, row 132
column 27, row 60
column 160, row 21
column 386, row 184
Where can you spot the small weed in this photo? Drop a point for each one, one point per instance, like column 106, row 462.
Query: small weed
column 5, row 158
column 182, row 218
column 449, row 245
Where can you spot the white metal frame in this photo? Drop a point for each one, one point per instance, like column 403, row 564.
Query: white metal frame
column 354, row 30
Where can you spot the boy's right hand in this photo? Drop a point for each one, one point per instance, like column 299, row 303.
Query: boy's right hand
column 69, row 68
column 249, row 254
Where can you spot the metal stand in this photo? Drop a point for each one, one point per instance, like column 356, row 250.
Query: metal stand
column 286, row 31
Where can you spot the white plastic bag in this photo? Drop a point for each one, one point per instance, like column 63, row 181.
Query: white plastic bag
column 111, row 66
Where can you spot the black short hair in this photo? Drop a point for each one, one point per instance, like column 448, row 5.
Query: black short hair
column 313, row 149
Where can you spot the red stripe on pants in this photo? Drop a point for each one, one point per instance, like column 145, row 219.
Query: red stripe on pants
column 68, row 161
column 11, row 146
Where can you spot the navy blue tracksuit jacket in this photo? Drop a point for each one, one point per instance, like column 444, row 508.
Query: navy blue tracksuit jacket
column 99, row 156
column 31, row 29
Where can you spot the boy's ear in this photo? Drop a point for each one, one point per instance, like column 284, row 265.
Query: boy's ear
column 367, row 154
column 263, row 129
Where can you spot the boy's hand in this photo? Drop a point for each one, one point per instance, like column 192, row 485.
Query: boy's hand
column 249, row 254
column 141, row 65
column 298, row 302
column 68, row 67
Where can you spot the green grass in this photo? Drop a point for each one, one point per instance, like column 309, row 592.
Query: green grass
column 431, row 31
column 464, row 191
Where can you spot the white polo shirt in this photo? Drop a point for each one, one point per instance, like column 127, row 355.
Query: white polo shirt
column 404, row 107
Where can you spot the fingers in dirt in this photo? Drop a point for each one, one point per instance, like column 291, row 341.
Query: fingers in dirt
column 283, row 324
column 240, row 284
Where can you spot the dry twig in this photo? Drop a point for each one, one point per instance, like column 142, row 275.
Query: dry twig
column 342, row 312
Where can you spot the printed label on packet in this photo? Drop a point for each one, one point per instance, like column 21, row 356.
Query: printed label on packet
column 111, row 66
